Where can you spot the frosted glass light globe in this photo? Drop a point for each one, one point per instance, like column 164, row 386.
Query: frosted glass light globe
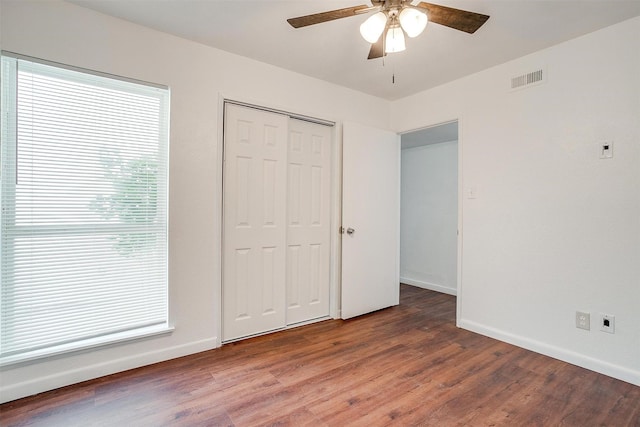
column 413, row 21
column 372, row 28
column 395, row 40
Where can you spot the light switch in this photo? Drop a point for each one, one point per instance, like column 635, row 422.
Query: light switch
column 471, row 192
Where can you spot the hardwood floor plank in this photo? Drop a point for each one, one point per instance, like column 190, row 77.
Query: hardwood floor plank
column 406, row 365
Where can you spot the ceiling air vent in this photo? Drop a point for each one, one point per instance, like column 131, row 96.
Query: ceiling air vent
column 529, row 79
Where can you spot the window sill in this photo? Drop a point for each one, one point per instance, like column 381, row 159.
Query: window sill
column 84, row 345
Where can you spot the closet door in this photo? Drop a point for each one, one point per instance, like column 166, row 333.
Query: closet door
column 254, row 247
column 308, row 221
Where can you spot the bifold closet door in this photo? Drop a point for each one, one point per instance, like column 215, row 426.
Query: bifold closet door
column 308, row 221
column 254, row 241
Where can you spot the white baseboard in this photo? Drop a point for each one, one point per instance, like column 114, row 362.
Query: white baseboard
column 427, row 285
column 597, row 365
column 84, row 373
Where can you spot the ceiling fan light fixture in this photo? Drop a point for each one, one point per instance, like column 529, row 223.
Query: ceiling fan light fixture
column 395, row 40
column 393, row 19
column 372, row 28
column 413, row 21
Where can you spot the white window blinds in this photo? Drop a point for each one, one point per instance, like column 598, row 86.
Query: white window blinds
column 83, row 209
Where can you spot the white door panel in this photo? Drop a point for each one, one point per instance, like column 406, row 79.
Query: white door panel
column 308, row 221
column 276, row 241
column 254, row 222
column 371, row 207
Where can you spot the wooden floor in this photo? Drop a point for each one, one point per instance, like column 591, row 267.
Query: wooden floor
column 407, row 365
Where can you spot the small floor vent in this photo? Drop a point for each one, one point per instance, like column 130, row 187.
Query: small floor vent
column 529, row 79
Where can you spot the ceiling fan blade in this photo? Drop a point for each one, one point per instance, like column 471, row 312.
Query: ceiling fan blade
column 458, row 19
column 377, row 49
column 317, row 18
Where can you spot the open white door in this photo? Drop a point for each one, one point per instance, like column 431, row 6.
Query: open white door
column 371, row 218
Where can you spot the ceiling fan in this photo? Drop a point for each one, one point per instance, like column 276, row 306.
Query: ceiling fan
column 386, row 28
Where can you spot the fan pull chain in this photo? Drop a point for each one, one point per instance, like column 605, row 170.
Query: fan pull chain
column 393, row 73
column 384, row 58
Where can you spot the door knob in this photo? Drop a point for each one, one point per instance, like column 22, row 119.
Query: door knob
column 350, row 231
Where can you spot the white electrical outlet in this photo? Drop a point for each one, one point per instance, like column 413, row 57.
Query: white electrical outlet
column 608, row 323
column 583, row 320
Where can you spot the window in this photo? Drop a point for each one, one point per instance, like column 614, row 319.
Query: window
column 83, row 233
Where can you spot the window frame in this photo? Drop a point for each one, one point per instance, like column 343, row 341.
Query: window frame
column 9, row 147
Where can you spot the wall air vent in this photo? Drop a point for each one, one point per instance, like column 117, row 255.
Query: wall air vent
column 530, row 79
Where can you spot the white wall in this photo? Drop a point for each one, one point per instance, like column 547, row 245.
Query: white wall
column 554, row 229
column 198, row 76
column 429, row 217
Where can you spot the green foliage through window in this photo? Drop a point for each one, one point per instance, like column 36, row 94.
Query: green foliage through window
column 134, row 201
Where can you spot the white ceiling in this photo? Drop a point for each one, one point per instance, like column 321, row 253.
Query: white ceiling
column 445, row 132
column 335, row 52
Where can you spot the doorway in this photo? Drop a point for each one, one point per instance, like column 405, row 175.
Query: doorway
column 429, row 208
